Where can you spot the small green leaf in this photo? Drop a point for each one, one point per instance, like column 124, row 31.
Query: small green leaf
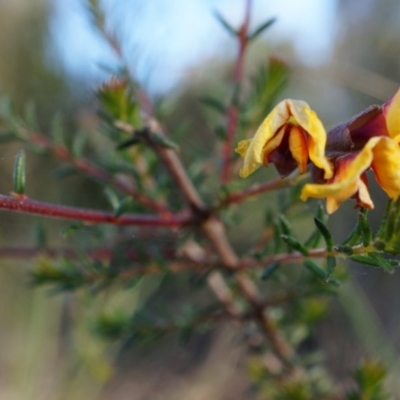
column 325, row 233
column 313, row 240
column 330, row 266
column 78, row 145
column 57, row 129
column 269, row 271
column 285, row 226
column 112, row 326
column 8, row 137
column 19, row 173
column 369, row 374
column 355, row 236
column 382, row 262
column 267, row 84
column 118, row 99
column 365, row 228
column 220, row 131
column 214, row 103
column 133, row 141
column 379, row 245
column 30, row 115
column 225, row 24
column 261, row 28
column 124, row 206
column 319, row 272
column 40, row 237
column 294, row 244
column 382, row 231
column 376, row 260
column 71, row 228
column 315, row 269
column 112, row 197
column 162, row 141
column 65, row 171
column 321, row 213
column 185, row 334
column 277, row 237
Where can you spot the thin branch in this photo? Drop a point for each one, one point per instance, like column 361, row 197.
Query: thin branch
column 233, row 110
column 239, row 196
column 211, row 226
column 95, row 172
column 297, row 257
column 28, row 206
column 215, row 231
column 107, row 253
column 100, row 253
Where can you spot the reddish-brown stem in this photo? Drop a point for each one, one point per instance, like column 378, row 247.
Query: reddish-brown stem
column 285, row 258
column 215, row 231
column 233, row 111
column 28, row 206
column 101, row 253
column 105, row 254
column 238, row 197
column 95, row 172
column 31, row 252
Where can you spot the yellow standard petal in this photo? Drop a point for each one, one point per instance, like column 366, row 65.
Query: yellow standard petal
column 392, row 114
column 345, row 183
column 386, row 166
column 380, row 153
column 242, row 147
column 255, row 152
column 310, row 122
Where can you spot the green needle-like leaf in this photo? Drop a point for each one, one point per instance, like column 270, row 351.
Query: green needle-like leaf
column 319, row 272
column 294, row 244
column 124, row 206
column 330, row 266
column 325, row 233
column 19, row 174
column 261, row 28
column 162, row 141
column 365, row 228
column 214, row 104
column 269, row 271
column 285, row 226
column 71, row 228
column 376, row 260
column 225, row 24
column 111, row 197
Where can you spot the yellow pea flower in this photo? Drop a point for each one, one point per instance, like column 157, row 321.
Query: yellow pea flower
column 381, row 154
column 391, row 111
column 381, row 120
column 290, row 136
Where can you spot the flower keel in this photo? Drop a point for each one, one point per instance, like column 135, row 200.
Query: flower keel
column 381, row 154
column 290, row 136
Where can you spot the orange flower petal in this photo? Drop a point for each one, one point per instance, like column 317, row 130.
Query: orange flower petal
column 298, row 147
column 380, row 153
column 391, row 110
column 386, row 166
column 310, row 122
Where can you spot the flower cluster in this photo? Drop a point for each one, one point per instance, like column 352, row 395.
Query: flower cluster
column 292, row 136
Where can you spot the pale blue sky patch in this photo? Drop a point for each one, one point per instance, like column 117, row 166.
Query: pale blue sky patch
column 164, row 39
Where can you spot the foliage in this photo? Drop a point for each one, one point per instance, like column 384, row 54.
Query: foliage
column 182, row 229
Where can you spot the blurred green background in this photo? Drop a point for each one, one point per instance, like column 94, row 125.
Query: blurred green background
column 43, row 355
